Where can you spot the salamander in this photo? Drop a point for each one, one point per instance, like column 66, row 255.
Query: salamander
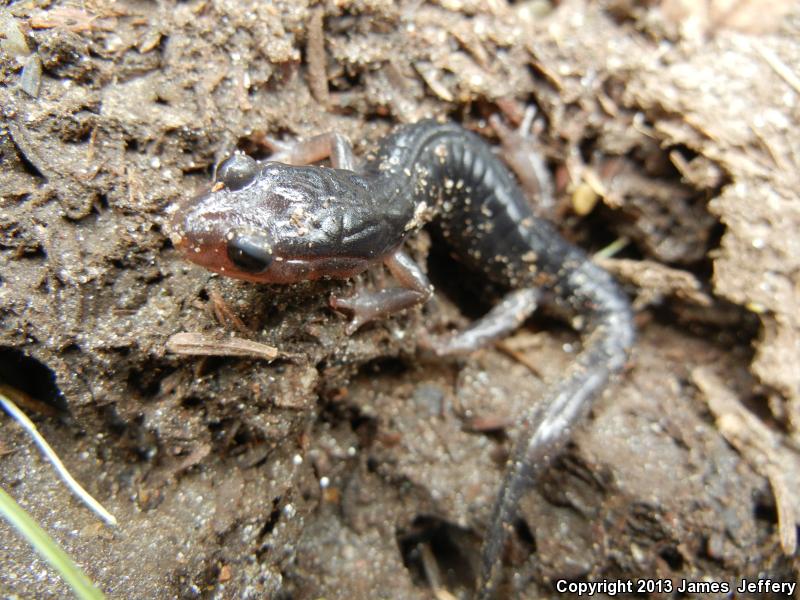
column 285, row 220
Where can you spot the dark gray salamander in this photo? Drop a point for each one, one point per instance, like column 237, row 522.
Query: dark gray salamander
column 282, row 223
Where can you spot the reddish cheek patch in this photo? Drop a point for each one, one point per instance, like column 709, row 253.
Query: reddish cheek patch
column 210, row 256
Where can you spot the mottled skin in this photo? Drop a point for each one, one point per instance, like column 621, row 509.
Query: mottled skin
column 273, row 222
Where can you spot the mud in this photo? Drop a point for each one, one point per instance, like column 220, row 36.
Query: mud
column 356, row 466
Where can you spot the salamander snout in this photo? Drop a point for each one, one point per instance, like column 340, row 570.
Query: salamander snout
column 216, row 231
column 211, row 235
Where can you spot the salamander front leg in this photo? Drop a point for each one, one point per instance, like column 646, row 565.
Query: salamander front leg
column 366, row 306
column 305, row 152
column 503, row 319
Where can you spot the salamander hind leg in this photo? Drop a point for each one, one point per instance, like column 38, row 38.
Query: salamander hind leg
column 503, row 319
column 366, row 306
column 522, row 152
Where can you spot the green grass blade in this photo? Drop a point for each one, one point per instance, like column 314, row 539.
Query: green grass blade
column 48, row 549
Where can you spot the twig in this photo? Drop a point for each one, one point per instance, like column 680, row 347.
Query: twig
column 204, row 345
column 50, row 454
column 518, row 356
column 777, row 65
column 433, row 573
column 316, row 58
column 760, row 446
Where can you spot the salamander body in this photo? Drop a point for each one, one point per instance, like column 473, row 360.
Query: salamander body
column 282, row 223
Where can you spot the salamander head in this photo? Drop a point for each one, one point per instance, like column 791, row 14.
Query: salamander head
column 269, row 223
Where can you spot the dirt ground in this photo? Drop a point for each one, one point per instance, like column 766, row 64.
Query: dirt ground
column 354, row 467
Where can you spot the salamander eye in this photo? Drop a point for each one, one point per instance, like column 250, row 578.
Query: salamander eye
column 251, row 253
column 237, row 171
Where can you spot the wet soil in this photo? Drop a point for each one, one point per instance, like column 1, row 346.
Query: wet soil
column 356, row 466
